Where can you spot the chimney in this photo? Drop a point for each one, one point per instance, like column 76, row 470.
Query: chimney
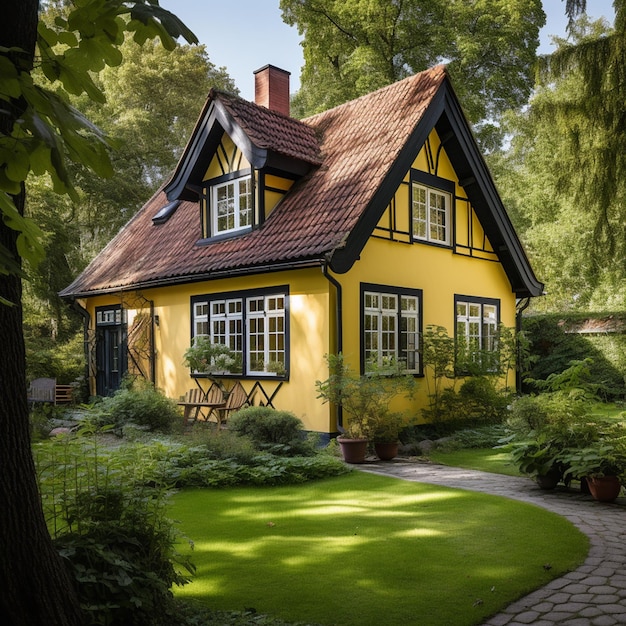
column 271, row 89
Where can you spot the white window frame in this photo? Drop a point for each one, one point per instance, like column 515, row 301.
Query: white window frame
column 429, row 218
column 477, row 322
column 236, row 206
column 390, row 328
column 251, row 324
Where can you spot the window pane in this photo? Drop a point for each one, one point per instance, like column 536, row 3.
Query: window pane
column 419, row 212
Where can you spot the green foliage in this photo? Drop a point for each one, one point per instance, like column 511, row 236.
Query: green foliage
column 366, row 398
column 47, row 358
column 352, row 47
column 207, row 357
column 140, row 405
column 279, row 432
column 49, row 131
column 601, row 359
column 479, row 399
column 558, row 175
column 111, row 530
column 438, row 353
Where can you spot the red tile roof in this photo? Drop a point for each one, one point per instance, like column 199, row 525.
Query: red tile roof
column 358, row 142
column 271, row 130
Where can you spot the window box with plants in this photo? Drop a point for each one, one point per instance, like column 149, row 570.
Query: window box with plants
column 211, row 359
column 365, row 400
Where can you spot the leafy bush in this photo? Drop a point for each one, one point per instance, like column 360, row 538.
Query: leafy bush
column 482, row 401
column 279, row 432
column 141, row 405
column 47, row 358
column 111, row 530
column 554, row 349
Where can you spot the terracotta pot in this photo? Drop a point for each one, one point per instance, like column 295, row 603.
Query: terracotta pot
column 386, row 451
column 353, row 450
column 604, row 488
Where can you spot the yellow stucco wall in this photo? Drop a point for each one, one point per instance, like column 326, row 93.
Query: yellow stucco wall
column 310, row 318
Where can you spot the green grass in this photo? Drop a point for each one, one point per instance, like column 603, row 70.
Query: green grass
column 367, row 550
column 483, row 459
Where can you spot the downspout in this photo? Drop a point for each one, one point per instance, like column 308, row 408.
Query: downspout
column 518, row 328
column 339, row 328
column 152, row 344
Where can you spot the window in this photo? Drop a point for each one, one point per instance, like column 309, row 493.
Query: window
column 390, row 327
column 252, row 324
column 477, row 331
column 231, row 204
column 430, row 214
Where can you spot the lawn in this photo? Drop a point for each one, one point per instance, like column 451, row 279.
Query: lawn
column 367, row 550
column 492, row 460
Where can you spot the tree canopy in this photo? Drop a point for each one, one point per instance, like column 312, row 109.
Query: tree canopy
column 352, row 47
column 563, row 174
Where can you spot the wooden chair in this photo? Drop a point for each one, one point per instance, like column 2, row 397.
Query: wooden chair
column 237, row 399
column 42, row 390
column 64, row 394
column 196, row 399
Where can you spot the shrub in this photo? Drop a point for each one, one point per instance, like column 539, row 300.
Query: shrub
column 279, row 432
column 554, row 349
column 482, row 402
column 141, row 405
column 111, row 530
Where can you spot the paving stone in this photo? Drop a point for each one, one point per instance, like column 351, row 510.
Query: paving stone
column 604, row 620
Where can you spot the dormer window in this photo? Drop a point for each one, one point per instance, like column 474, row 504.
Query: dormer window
column 232, row 206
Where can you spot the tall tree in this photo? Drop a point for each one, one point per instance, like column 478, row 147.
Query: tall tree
column 38, row 131
column 594, row 174
column 354, row 46
column 537, row 176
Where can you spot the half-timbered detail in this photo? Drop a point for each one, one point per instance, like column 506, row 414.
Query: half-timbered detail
column 351, row 231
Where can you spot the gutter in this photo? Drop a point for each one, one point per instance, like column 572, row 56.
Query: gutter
column 198, row 278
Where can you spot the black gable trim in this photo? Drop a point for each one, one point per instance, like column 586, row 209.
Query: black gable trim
column 343, row 259
column 446, row 116
column 213, row 123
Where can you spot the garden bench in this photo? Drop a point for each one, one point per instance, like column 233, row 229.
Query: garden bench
column 42, row 390
column 64, row 394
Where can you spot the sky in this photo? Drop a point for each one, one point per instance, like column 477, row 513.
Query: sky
column 245, row 35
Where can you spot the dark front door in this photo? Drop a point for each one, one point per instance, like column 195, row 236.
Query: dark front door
column 111, row 358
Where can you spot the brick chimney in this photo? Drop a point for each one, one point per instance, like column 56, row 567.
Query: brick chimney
column 271, row 89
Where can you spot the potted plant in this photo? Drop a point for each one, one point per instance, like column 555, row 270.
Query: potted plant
column 537, row 456
column 364, row 399
column 387, row 435
column 206, row 357
column 601, row 463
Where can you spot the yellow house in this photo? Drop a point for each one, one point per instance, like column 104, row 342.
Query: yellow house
column 350, row 231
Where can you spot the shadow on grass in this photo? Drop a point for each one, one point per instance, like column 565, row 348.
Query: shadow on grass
column 370, row 550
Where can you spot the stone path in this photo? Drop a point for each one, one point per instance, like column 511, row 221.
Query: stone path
column 592, row 595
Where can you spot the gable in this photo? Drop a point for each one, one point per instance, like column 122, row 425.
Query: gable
column 432, row 170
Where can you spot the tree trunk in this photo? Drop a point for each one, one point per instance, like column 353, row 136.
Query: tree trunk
column 35, row 588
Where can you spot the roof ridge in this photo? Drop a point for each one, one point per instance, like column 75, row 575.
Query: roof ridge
column 435, row 69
